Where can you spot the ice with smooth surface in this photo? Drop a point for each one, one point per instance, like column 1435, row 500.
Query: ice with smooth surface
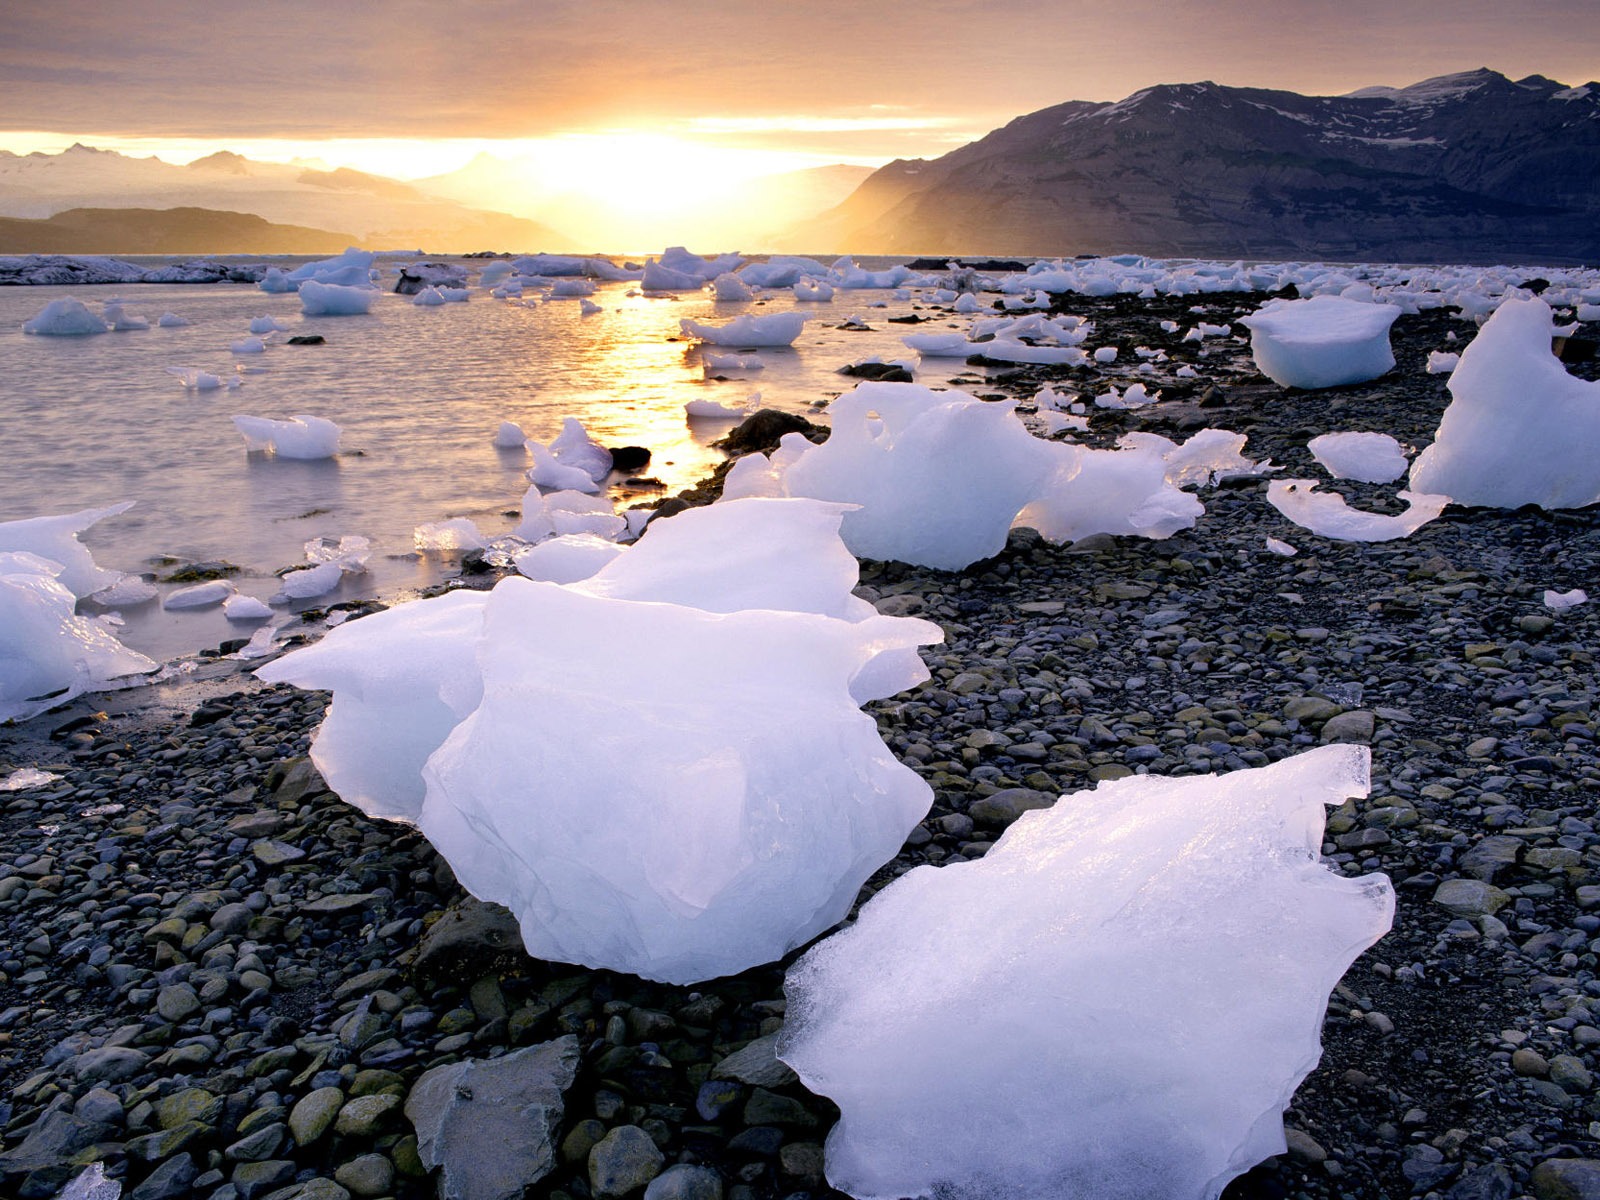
column 1519, row 429
column 65, row 317
column 1328, row 515
column 719, row 809
column 198, row 595
column 712, row 410
column 1365, row 457
column 451, row 536
column 335, row 300
column 1562, row 600
column 56, row 539
column 1119, row 492
column 774, row 329
column 1125, row 993
column 245, row 608
column 299, row 437
column 547, row 472
column 49, row 654
column 1326, row 341
column 509, row 436
column 567, row 557
column 937, row 476
column 1442, row 362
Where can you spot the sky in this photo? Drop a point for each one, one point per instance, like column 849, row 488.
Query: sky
column 703, row 88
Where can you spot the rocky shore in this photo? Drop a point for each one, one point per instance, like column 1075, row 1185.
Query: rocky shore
column 219, row 981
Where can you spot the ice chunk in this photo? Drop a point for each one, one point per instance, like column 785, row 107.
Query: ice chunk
column 1519, row 429
column 335, row 300
column 65, row 317
column 720, row 809
column 428, row 297
column 1561, row 600
column 56, row 539
column 712, row 410
column 1442, row 362
column 198, row 595
column 1207, row 457
column 197, row 380
column 308, row 583
column 401, row 680
column 267, row 325
column 572, row 289
column 546, row 472
column 813, row 291
column 573, row 447
column 729, row 286
column 1106, row 354
column 1282, row 548
column 589, row 308
column 714, row 363
column 509, row 436
column 121, row 320
column 26, row 777
column 1073, row 936
column 567, row 558
column 1134, row 396
column 1365, row 457
column 1118, row 492
column 1327, row 515
column 774, row 329
column 661, row 278
column 249, row 345
column 1325, row 341
column 127, row 592
column 941, row 345
column 938, row 476
column 245, row 608
column 535, row 524
column 298, row 437
column 453, row 536
column 171, row 320
column 49, row 654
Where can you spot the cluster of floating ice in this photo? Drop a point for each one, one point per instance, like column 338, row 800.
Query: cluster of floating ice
column 353, row 268
column 678, row 841
column 1071, row 938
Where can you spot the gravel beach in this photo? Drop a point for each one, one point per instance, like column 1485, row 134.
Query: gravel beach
column 219, row 981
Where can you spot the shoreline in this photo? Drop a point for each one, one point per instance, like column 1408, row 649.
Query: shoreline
column 252, row 942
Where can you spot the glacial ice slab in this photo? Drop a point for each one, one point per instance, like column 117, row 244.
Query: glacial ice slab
column 1519, row 429
column 56, row 539
column 1326, row 341
column 661, row 790
column 1124, row 993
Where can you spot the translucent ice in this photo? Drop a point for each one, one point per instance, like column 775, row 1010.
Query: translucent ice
column 775, row 329
column 509, row 436
column 1124, row 992
column 198, row 595
column 1561, row 600
column 729, row 286
column 65, row 317
column 1327, row 514
column 1519, row 429
column 56, row 540
column 298, row 437
column 452, row 536
column 573, row 447
column 711, row 410
column 1366, row 457
column 1118, row 492
column 335, row 300
column 1325, row 341
column 678, row 841
column 49, row 654
column 546, row 472
column 567, row 558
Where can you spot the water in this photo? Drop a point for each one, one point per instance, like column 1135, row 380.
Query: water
column 419, row 392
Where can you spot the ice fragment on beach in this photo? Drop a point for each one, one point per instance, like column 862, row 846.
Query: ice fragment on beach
column 567, row 558
column 26, row 777
column 573, row 447
column 456, row 535
column 125, row 593
column 50, row 654
column 1442, row 362
column 299, row 437
column 1325, row 341
column 1560, row 600
column 198, row 595
column 676, row 841
column 56, row 540
column 774, row 329
column 1083, row 1080
column 65, row 317
column 1365, row 457
column 245, row 608
column 1120, row 492
column 546, row 472
column 1328, row 515
column 1519, row 429
column 1280, row 547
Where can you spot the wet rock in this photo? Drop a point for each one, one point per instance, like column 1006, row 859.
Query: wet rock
column 1567, row 1179
column 468, row 941
column 625, row 1159
column 756, row 1064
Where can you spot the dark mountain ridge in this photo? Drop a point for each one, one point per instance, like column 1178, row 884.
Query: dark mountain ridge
column 1467, row 167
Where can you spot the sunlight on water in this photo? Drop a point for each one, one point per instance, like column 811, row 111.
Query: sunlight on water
column 419, row 393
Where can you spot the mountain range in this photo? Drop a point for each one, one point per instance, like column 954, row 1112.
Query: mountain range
column 368, row 209
column 1468, row 167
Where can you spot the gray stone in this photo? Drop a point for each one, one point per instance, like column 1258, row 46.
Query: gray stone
column 168, row 1181
column 625, row 1159
column 769, row 1108
column 311, row 1189
column 1470, row 897
column 1492, row 1182
column 272, row 853
column 51, row 1140
column 177, row 1001
column 1357, row 726
column 489, row 1123
column 364, row 1115
column 685, row 1182
column 313, row 1116
column 1310, row 709
column 1491, row 856
column 1567, row 1179
column 231, row 918
column 468, row 940
column 756, row 1064
column 367, row 1175
column 253, row 1179
column 1004, row 807
column 109, row 1064
column 185, row 1105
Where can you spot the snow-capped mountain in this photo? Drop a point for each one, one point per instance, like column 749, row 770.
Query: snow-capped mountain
column 1463, row 167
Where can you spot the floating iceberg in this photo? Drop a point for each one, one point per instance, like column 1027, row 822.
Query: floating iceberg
column 509, row 436
column 1519, row 429
column 729, row 286
column 49, row 653
column 1364, row 457
column 170, row 320
column 65, row 317
column 245, row 608
column 1084, row 1079
column 121, row 320
column 1327, row 515
column 661, row 278
column 194, row 379
column 56, row 540
column 298, row 437
column 1325, row 341
column 546, row 472
column 712, row 410
column 249, row 345
column 813, row 291
column 335, row 300
column 267, row 324
column 677, row 841
column 353, row 268
column 198, row 595
column 774, row 329
column 573, row 447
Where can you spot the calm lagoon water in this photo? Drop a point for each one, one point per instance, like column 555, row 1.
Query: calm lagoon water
column 419, row 393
